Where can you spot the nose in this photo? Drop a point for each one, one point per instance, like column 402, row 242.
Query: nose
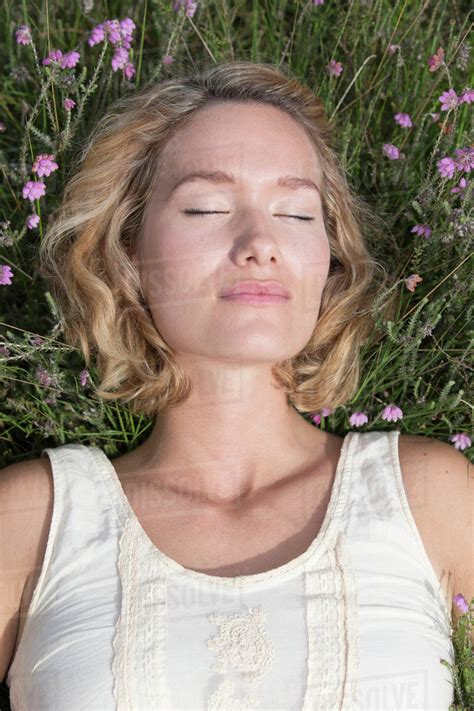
column 255, row 235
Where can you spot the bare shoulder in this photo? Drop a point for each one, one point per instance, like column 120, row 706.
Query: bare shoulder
column 26, row 503
column 439, row 481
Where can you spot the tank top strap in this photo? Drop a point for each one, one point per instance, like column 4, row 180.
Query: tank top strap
column 378, row 510
column 83, row 515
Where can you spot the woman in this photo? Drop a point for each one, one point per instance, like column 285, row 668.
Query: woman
column 210, row 253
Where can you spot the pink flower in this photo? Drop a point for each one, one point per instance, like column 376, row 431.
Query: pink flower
column 3, row 128
column 37, row 341
column 84, row 377
column 334, row 68
column 129, row 70
column 54, row 56
column 128, row 26
column 461, row 186
column 168, row 59
column 403, row 120
column 392, row 48
column 69, row 60
column 112, row 29
column 435, row 117
column 23, row 35
column 358, row 418
column 44, row 377
column 44, row 165
column 119, row 59
column 392, row 151
column 318, row 2
column 421, row 230
column 412, row 281
column 461, row 602
column 449, row 100
column 69, row 104
column 188, row 4
column 446, row 167
column 33, row 190
column 316, row 418
column 467, row 97
column 464, row 159
column 32, row 221
column 461, row 440
column 97, row 35
column 436, row 60
column 5, row 274
column 392, row 413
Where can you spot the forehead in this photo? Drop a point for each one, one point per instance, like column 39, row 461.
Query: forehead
column 250, row 140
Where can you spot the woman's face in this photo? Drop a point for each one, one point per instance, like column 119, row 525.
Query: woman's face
column 186, row 260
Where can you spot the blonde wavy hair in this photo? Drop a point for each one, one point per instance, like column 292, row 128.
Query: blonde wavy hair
column 85, row 252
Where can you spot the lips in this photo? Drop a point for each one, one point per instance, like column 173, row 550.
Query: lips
column 256, row 286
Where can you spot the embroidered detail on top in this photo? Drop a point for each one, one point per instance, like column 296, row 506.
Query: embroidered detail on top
column 241, row 645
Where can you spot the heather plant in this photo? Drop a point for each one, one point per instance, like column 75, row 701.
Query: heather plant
column 395, row 79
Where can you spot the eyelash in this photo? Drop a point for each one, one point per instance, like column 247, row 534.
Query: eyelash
column 218, row 212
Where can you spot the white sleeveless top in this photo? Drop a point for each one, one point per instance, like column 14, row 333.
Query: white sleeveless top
column 357, row 621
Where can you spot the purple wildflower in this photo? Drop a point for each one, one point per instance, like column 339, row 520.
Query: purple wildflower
column 69, row 60
column 97, row 35
column 464, row 159
column 37, row 340
column 446, row 167
column 33, row 190
column 449, row 100
column 461, row 186
column 5, row 274
column 189, row 6
column 44, row 165
column 421, row 230
column 412, row 281
column 334, row 68
column 32, row 221
column 112, row 28
column 129, row 70
column 403, row 120
column 168, row 59
column 54, row 57
column 358, row 418
column 436, row 60
column 461, row 602
column 392, row 48
column 44, row 377
column 23, row 35
column 318, row 2
column 5, row 351
column 69, row 104
column 84, row 377
column 3, row 128
column 461, row 440
column 392, row 151
column 467, row 97
column 120, row 58
column 392, row 413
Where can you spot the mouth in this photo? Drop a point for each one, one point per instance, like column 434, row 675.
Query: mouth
column 256, row 298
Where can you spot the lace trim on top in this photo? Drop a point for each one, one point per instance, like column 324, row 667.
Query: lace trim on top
column 333, row 641
column 324, row 538
column 242, row 645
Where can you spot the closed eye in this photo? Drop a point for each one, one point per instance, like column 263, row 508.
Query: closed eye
column 218, row 212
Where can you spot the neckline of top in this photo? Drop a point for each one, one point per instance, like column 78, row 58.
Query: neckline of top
column 336, row 504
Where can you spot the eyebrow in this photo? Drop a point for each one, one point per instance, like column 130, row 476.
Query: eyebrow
column 218, row 177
